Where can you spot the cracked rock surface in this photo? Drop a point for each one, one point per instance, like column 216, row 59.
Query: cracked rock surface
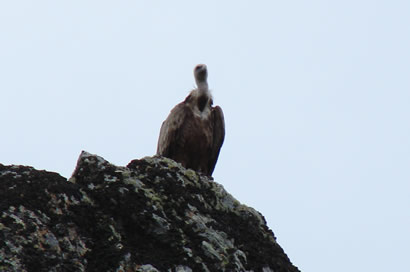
column 152, row 215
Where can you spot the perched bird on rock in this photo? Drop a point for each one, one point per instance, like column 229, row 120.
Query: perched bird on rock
column 194, row 131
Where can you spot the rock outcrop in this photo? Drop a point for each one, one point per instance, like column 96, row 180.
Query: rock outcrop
column 152, row 215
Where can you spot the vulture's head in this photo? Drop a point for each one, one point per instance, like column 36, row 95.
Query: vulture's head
column 200, row 73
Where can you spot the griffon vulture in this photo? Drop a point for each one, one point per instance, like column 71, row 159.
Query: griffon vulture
column 194, row 131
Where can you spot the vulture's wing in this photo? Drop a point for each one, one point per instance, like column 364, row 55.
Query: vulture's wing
column 171, row 131
column 218, row 136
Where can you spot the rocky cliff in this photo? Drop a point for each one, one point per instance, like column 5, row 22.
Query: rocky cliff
column 152, row 215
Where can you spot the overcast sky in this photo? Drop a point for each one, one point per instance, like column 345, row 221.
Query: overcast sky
column 316, row 97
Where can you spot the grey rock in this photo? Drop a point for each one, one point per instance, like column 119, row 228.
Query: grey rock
column 181, row 268
column 152, row 215
column 147, row 268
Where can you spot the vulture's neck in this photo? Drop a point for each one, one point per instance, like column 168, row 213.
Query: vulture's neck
column 200, row 101
column 201, row 97
column 202, row 86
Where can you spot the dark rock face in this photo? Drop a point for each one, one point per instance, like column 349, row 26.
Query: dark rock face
column 153, row 215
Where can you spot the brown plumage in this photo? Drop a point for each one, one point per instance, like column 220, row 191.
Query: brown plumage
column 194, row 131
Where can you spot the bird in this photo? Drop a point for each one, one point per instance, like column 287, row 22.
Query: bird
column 194, row 131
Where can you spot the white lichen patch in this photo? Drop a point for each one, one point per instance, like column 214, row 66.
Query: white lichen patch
column 134, row 182
column 123, row 190
column 183, row 268
column 116, row 236
column 17, row 220
column 91, row 159
column 210, row 251
column 110, row 179
column 15, row 248
column 13, row 263
column 74, row 201
column 14, row 174
column 198, row 220
column 125, row 264
column 240, row 259
column 267, row 269
column 47, row 238
column 188, row 251
column 85, row 198
column 157, row 160
column 74, row 243
column 162, row 225
column 147, row 268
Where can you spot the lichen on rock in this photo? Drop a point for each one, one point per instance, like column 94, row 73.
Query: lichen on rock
column 152, row 215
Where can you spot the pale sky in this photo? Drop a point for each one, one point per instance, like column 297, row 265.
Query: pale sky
column 315, row 94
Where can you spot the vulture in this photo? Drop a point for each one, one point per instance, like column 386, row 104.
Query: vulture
column 194, row 131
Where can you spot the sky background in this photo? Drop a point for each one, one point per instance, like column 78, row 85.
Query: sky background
column 316, row 97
